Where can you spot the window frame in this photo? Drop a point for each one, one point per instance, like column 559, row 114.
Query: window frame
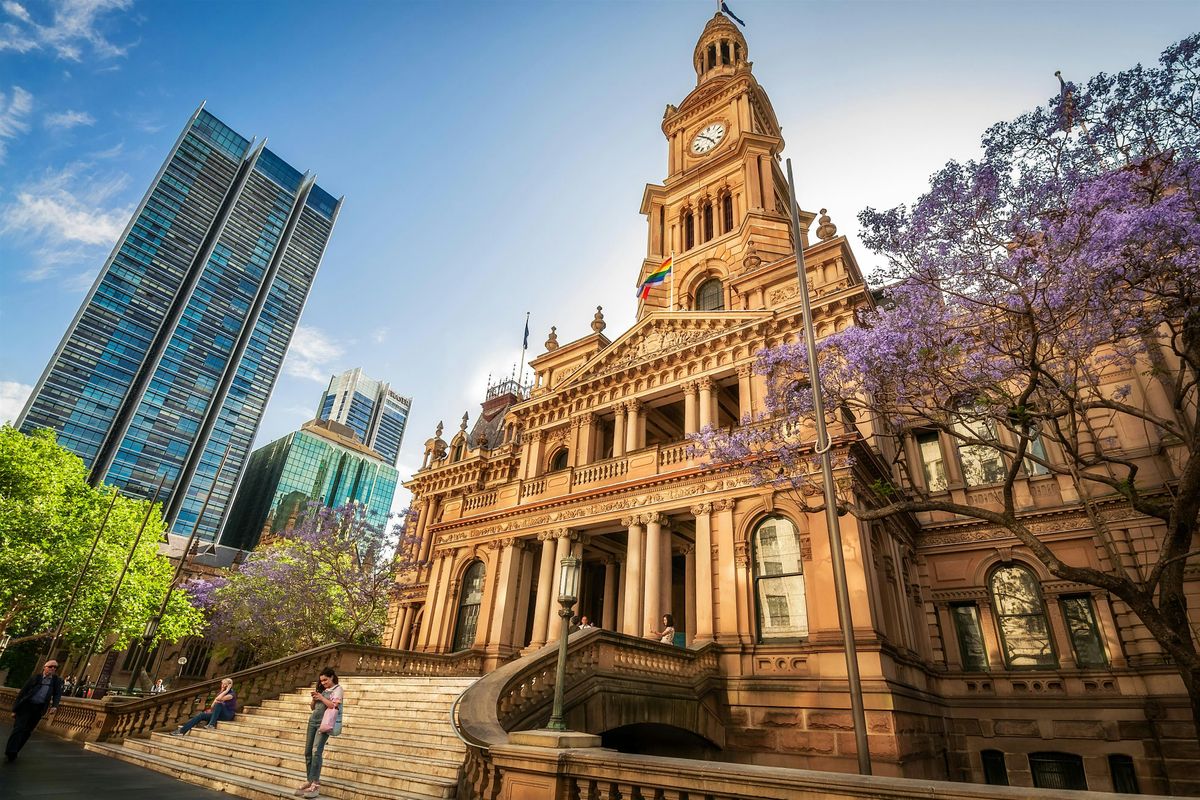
column 958, row 634
column 918, row 436
column 999, row 616
column 720, row 294
column 462, row 605
column 761, row 608
column 1094, row 629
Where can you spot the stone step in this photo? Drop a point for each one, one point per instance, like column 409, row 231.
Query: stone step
column 283, row 770
column 239, row 786
column 399, row 723
column 390, row 696
column 219, row 746
column 372, row 711
column 451, row 753
column 292, row 727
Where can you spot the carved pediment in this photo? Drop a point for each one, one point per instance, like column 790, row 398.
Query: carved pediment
column 662, row 333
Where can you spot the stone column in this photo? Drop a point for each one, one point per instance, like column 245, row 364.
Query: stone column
column 622, row 592
column 950, row 647
column 753, row 184
column 633, row 426
column 704, row 579
column 1109, row 631
column 632, row 620
column 745, row 392
column 618, row 430
column 666, row 597
column 484, row 635
column 537, row 448
column 541, row 613
column 706, row 402
column 410, row 619
column 608, row 620
column 505, row 596
column 525, row 567
column 436, row 588
column 689, row 592
column 651, row 610
column 561, row 551
column 432, row 505
column 690, row 419
column 991, row 638
column 726, row 579
column 585, row 440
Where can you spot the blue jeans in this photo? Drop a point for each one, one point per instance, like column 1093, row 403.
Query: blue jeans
column 211, row 716
column 313, row 752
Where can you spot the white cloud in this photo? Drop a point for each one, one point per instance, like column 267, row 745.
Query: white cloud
column 65, row 120
column 13, row 396
column 14, row 114
column 379, row 335
column 75, row 25
column 65, row 217
column 312, row 349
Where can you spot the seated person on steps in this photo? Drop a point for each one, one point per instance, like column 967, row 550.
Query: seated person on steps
column 223, row 708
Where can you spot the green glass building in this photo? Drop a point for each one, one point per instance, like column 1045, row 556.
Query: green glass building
column 324, row 461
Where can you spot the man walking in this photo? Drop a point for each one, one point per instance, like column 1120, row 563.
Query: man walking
column 39, row 695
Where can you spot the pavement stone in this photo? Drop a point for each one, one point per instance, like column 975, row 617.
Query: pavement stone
column 50, row 768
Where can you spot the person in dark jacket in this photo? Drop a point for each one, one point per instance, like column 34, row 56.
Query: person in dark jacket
column 40, row 695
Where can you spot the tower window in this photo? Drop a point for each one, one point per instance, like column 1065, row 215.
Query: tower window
column 727, row 213
column 712, row 56
column 689, row 230
column 710, row 297
column 707, row 213
column 725, row 53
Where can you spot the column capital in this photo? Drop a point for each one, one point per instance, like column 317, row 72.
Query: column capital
column 689, row 386
column 723, row 505
column 634, row 405
column 547, row 536
column 537, row 436
column 741, row 553
column 745, row 370
column 565, row 533
column 629, row 522
column 652, row 518
column 702, row 509
column 610, row 560
column 706, row 383
column 686, row 549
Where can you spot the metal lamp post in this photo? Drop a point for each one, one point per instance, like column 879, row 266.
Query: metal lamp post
column 568, row 593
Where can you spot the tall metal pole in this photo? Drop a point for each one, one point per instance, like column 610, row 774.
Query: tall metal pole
column 823, row 446
column 156, row 620
column 78, row 580
column 121, row 578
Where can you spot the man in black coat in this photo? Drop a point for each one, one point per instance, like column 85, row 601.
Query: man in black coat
column 39, row 695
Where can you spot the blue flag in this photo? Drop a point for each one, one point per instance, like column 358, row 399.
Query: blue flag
column 725, row 8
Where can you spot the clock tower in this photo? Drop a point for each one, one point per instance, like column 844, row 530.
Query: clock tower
column 722, row 210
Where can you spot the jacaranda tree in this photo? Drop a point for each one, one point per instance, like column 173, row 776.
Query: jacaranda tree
column 1034, row 301
column 324, row 581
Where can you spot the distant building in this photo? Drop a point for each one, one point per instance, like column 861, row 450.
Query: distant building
column 376, row 413
column 323, row 461
column 169, row 362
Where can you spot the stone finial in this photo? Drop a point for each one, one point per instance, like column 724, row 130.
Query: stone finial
column 752, row 260
column 438, row 432
column 826, row 230
column 463, row 425
column 552, row 339
column 598, row 323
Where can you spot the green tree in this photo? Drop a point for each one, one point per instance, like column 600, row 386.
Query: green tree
column 49, row 517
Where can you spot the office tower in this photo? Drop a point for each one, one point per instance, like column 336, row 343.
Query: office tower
column 324, row 461
column 375, row 412
column 167, row 366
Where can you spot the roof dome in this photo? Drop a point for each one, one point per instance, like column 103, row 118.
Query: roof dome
column 721, row 49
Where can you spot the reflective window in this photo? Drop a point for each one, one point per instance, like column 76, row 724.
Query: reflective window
column 559, row 460
column 1036, row 448
column 1021, row 618
column 779, row 580
column 710, row 297
column 1057, row 771
column 994, row 770
column 970, row 636
column 1084, row 633
column 981, row 464
column 468, row 606
column 932, row 464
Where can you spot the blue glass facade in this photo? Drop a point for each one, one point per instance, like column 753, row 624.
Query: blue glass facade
column 173, row 354
column 375, row 413
column 316, row 463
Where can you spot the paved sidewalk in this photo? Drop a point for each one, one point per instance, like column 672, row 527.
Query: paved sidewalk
column 50, row 768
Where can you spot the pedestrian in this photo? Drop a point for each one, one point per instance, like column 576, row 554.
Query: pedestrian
column 223, row 709
column 585, row 623
column 40, row 695
column 158, row 687
column 667, row 634
column 326, row 697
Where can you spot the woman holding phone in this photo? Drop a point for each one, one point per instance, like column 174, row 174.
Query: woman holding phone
column 325, row 697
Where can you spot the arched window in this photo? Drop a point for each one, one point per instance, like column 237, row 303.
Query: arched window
column 689, row 230
column 709, row 296
column 470, row 599
column 725, row 52
column 727, row 213
column 779, row 580
column 712, row 56
column 559, row 459
column 457, row 453
column 1021, row 616
column 706, row 213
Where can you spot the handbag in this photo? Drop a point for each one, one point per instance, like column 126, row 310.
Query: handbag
column 331, row 721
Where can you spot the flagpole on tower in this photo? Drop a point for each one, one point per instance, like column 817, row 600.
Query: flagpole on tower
column 524, row 347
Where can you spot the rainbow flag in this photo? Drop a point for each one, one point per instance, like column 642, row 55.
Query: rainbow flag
column 656, row 278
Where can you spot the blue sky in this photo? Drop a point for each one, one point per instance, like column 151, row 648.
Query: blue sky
column 492, row 155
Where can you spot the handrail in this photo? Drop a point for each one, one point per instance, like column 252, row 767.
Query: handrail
column 458, row 728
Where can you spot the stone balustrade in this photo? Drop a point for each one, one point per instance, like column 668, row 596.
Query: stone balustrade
column 115, row 718
column 600, row 471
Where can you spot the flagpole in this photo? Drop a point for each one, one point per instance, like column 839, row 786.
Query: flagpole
column 524, row 347
column 672, row 306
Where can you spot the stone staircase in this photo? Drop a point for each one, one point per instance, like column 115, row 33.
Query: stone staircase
column 396, row 744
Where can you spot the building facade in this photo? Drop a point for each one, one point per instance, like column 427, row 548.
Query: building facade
column 322, row 462
column 167, row 366
column 977, row 665
column 376, row 413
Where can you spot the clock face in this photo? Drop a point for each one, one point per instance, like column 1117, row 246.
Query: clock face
column 708, row 138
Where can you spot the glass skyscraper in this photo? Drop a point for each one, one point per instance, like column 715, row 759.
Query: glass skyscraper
column 376, row 413
column 323, row 462
column 169, row 362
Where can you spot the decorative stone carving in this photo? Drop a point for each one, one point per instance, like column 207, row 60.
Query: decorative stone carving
column 701, row 509
column 598, row 323
column 826, row 230
column 552, row 339
column 752, row 260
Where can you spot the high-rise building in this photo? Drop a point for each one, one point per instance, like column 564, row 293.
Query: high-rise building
column 167, row 366
column 375, row 412
column 324, row 462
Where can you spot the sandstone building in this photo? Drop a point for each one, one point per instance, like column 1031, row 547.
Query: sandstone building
column 976, row 664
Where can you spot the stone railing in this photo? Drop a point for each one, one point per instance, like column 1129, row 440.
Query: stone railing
column 674, row 686
column 480, row 500
column 114, row 718
column 600, row 471
column 672, row 454
column 533, row 488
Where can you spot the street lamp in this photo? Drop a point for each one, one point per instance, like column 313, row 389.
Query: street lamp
column 568, row 593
